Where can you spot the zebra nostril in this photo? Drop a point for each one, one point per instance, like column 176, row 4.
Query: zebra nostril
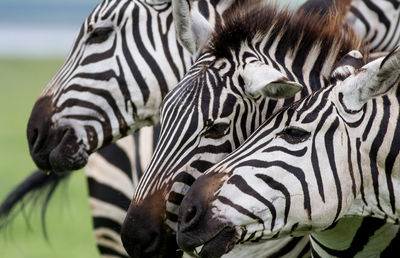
column 190, row 214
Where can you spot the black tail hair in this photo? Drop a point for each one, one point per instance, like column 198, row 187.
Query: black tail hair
column 38, row 186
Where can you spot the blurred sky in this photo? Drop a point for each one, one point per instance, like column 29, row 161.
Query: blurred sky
column 40, row 28
column 45, row 28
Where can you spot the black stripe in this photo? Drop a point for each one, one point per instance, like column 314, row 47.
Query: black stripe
column 242, row 185
column 106, row 95
column 393, row 247
column 175, row 198
column 107, row 194
column 185, row 178
column 287, row 248
column 306, row 250
column 296, row 153
column 361, row 17
column 117, row 157
column 201, row 165
column 366, row 230
column 97, row 57
column 239, row 208
column 390, row 161
column 152, row 63
column 121, row 13
column 279, row 187
column 375, row 146
column 314, row 156
column 110, row 9
column 101, row 222
column 137, row 75
column 395, row 29
column 149, row 27
column 382, row 18
column 330, row 150
column 167, row 45
column 350, row 164
column 106, row 125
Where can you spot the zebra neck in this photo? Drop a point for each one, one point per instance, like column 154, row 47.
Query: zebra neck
column 375, row 159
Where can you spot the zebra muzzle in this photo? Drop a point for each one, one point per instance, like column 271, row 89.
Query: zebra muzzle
column 53, row 148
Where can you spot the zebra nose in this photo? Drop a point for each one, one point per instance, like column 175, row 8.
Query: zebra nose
column 144, row 232
column 194, row 210
column 189, row 214
column 140, row 232
column 38, row 131
column 140, row 242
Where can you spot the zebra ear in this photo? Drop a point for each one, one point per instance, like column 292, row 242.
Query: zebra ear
column 347, row 65
column 370, row 81
column 192, row 29
column 261, row 79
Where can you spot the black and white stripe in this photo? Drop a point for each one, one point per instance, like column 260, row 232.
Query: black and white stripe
column 377, row 21
column 217, row 105
column 331, row 155
column 85, row 64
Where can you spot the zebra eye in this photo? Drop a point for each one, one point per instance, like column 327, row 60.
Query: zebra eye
column 294, row 135
column 99, row 35
column 216, row 131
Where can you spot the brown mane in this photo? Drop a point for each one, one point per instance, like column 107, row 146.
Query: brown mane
column 249, row 19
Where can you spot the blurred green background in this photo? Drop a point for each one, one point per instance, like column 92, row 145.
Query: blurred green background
column 28, row 61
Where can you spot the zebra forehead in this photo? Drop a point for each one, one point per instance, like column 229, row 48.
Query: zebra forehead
column 251, row 20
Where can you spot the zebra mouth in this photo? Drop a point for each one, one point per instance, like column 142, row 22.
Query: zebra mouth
column 220, row 244
column 69, row 154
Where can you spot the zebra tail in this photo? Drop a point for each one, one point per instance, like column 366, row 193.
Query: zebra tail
column 37, row 187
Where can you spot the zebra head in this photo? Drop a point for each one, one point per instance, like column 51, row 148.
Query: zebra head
column 123, row 62
column 230, row 90
column 308, row 165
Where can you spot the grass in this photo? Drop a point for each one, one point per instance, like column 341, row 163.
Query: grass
column 68, row 220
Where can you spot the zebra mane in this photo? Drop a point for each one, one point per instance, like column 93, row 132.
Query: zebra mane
column 252, row 20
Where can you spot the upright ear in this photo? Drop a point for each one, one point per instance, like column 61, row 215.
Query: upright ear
column 370, row 81
column 262, row 79
column 192, row 29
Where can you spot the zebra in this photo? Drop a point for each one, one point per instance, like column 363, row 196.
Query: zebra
column 333, row 154
column 103, row 178
column 257, row 53
column 123, row 158
column 131, row 47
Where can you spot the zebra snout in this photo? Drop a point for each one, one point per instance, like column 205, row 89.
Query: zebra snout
column 190, row 213
column 195, row 221
column 144, row 233
column 38, row 131
column 51, row 147
column 139, row 241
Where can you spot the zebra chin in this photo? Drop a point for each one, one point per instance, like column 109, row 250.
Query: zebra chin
column 56, row 149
